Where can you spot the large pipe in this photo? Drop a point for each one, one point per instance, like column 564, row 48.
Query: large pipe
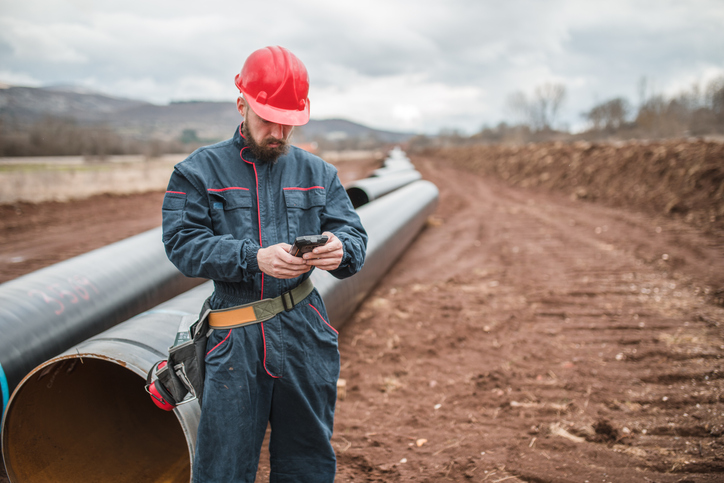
column 84, row 416
column 395, row 163
column 47, row 311
column 395, row 167
column 392, row 222
column 365, row 190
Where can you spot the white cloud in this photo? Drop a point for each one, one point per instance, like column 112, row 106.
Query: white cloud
column 19, row 79
column 406, row 114
column 700, row 78
column 51, row 43
column 402, row 103
column 412, row 65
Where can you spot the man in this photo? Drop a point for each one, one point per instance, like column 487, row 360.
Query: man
column 230, row 214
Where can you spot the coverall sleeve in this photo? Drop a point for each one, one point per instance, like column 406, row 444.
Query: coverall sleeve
column 340, row 218
column 190, row 241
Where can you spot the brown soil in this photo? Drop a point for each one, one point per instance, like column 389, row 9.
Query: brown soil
column 33, row 236
column 524, row 336
column 683, row 178
column 529, row 337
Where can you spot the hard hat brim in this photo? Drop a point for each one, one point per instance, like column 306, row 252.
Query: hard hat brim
column 279, row 116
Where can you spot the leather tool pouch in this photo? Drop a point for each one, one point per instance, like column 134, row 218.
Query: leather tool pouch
column 182, row 377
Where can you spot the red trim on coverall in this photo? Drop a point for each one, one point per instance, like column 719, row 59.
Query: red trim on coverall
column 305, row 189
column 320, row 316
column 216, row 190
column 217, row 345
column 258, row 210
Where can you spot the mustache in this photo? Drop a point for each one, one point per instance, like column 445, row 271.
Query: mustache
column 272, row 140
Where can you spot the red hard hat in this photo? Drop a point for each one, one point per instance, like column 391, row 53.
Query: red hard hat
column 275, row 84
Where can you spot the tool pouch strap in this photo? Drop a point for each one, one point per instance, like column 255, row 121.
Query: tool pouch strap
column 261, row 310
column 199, row 336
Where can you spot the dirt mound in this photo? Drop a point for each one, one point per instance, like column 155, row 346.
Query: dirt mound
column 675, row 177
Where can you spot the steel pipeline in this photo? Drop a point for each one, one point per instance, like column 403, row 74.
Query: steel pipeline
column 395, row 163
column 84, row 416
column 365, row 190
column 393, row 167
column 392, row 222
column 47, row 311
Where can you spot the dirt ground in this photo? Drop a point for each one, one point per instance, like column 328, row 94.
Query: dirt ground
column 524, row 336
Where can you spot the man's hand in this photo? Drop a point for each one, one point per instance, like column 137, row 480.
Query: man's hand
column 328, row 256
column 276, row 261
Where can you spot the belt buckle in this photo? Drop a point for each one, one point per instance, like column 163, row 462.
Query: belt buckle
column 291, row 301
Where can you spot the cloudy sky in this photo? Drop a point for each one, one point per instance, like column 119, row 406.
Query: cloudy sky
column 400, row 65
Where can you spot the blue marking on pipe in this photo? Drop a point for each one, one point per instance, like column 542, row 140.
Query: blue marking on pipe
column 5, row 390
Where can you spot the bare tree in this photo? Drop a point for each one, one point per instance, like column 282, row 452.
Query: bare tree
column 518, row 104
column 547, row 101
column 609, row 115
column 714, row 97
column 643, row 90
column 541, row 110
column 696, row 111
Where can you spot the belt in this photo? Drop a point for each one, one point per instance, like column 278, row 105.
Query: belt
column 255, row 312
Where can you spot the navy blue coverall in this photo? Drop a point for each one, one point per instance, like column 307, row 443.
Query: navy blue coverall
column 221, row 206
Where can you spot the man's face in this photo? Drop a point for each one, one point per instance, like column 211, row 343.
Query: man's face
column 267, row 140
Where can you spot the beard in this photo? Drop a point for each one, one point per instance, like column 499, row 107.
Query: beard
column 262, row 151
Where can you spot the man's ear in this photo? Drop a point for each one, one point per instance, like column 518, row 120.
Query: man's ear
column 240, row 105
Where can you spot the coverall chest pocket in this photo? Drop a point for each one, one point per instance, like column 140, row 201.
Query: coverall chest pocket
column 232, row 212
column 304, row 208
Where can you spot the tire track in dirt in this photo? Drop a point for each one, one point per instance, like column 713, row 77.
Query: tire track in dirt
column 533, row 338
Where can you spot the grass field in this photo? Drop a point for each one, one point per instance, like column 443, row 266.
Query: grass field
column 73, row 177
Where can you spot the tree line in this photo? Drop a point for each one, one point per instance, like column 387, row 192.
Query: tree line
column 697, row 111
column 52, row 136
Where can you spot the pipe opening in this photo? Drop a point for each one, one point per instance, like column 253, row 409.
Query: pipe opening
column 357, row 196
column 91, row 421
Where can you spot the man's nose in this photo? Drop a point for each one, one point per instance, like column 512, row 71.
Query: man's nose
column 277, row 130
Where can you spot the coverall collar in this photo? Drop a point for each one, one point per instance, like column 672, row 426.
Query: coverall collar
column 240, row 142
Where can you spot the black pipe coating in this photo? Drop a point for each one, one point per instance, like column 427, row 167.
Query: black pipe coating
column 47, row 311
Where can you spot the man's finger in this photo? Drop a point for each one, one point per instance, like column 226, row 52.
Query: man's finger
column 332, row 254
column 329, row 247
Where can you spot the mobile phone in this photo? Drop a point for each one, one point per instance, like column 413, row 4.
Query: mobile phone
column 305, row 244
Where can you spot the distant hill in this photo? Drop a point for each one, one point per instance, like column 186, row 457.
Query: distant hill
column 341, row 129
column 29, row 104
column 22, row 106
